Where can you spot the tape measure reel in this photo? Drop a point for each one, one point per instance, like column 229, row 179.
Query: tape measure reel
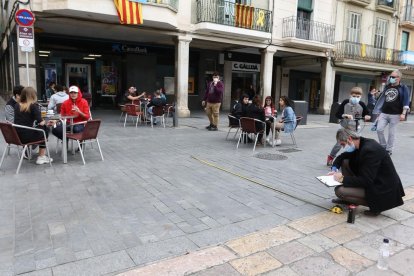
column 337, row 209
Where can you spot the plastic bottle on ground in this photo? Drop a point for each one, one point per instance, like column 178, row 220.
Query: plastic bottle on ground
column 384, row 255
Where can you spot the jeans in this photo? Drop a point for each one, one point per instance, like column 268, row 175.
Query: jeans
column 383, row 121
column 213, row 112
column 58, row 130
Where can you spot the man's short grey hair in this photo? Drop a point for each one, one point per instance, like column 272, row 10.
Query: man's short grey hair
column 398, row 72
column 343, row 134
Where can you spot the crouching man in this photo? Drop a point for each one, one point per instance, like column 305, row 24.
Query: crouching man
column 368, row 174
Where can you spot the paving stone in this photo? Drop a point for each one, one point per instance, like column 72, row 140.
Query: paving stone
column 318, row 266
column 224, row 269
column 159, row 250
column 56, row 228
column 397, row 214
column 317, row 222
column 255, row 264
column 44, row 272
column 317, row 242
column 45, row 263
column 217, row 235
column 100, row 265
column 342, row 233
column 409, row 222
column 409, row 193
column 64, row 255
column 400, row 233
column 290, row 252
column 374, row 271
column 84, row 254
column 262, row 222
column 368, row 246
column 349, row 259
column 408, row 206
column 24, row 263
column 403, row 262
column 262, row 240
column 371, row 224
column 186, row 264
column 284, row 271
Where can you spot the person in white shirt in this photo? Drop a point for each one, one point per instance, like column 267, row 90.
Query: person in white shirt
column 57, row 98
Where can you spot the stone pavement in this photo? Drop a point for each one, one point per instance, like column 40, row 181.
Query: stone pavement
column 184, row 200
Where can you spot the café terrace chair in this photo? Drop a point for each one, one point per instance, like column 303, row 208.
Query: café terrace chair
column 157, row 112
column 292, row 133
column 131, row 111
column 233, row 123
column 12, row 138
column 88, row 135
column 248, row 126
column 169, row 109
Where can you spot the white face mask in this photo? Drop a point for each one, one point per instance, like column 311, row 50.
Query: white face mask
column 216, row 79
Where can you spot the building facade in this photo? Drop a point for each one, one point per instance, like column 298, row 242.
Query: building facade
column 309, row 50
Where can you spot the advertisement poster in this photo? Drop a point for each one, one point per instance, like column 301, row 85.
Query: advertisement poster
column 79, row 75
column 50, row 73
column 109, row 80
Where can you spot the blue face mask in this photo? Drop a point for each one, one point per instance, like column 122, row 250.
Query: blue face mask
column 349, row 147
column 354, row 100
column 392, row 80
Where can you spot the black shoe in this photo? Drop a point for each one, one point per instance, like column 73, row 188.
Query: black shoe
column 370, row 213
column 208, row 127
column 389, row 152
column 213, row 128
column 340, row 201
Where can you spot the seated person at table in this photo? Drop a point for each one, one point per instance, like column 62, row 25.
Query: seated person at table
column 270, row 113
column 59, row 97
column 131, row 96
column 10, row 105
column 74, row 106
column 349, row 110
column 255, row 110
column 287, row 121
column 27, row 113
column 368, row 174
column 157, row 100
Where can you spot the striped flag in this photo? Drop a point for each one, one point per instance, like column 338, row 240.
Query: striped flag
column 244, row 16
column 129, row 12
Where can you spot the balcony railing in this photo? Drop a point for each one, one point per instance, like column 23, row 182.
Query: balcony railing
column 387, row 3
column 307, row 29
column 172, row 3
column 408, row 14
column 366, row 53
column 231, row 14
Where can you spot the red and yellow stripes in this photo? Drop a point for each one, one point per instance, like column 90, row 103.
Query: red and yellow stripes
column 129, row 12
column 244, row 16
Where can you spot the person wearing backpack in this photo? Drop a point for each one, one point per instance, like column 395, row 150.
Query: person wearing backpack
column 349, row 112
column 392, row 107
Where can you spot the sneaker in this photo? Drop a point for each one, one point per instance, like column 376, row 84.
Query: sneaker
column 26, row 154
column 329, row 161
column 277, row 142
column 213, row 128
column 208, row 127
column 43, row 159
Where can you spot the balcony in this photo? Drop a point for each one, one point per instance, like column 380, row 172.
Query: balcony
column 407, row 17
column 307, row 33
column 169, row 3
column 357, row 55
column 362, row 3
column 407, row 58
column 387, row 6
column 228, row 18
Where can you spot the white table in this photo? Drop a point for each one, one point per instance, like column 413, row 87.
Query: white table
column 63, row 119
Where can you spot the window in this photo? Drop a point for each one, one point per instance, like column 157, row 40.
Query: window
column 381, row 29
column 244, row 2
column 354, row 27
column 305, row 5
column 404, row 40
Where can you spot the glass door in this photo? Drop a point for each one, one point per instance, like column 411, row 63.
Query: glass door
column 80, row 75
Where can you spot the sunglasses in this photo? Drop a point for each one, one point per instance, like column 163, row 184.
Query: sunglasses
column 393, row 77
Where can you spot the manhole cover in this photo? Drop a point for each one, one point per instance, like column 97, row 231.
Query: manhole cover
column 289, row 150
column 270, row 156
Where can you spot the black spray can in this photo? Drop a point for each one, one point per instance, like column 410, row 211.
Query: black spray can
column 351, row 213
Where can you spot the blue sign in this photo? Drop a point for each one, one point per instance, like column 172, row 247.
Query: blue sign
column 24, row 18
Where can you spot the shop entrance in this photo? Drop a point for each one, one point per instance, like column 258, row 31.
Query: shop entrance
column 244, row 82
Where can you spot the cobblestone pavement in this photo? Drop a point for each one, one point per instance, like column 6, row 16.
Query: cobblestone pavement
column 183, row 200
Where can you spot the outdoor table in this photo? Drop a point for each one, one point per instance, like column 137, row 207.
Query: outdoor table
column 63, row 119
column 274, row 130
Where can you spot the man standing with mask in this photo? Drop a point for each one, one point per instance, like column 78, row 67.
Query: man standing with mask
column 392, row 107
column 349, row 112
column 212, row 101
column 368, row 174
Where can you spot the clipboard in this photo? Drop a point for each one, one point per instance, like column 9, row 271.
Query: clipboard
column 328, row 180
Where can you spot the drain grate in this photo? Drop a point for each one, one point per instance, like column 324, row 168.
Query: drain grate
column 289, row 150
column 270, row 156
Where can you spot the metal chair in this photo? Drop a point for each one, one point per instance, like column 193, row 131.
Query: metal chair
column 89, row 134
column 12, row 138
column 234, row 122
column 169, row 109
column 131, row 111
column 157, row 112
column 292, row 134
column 249, row 126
